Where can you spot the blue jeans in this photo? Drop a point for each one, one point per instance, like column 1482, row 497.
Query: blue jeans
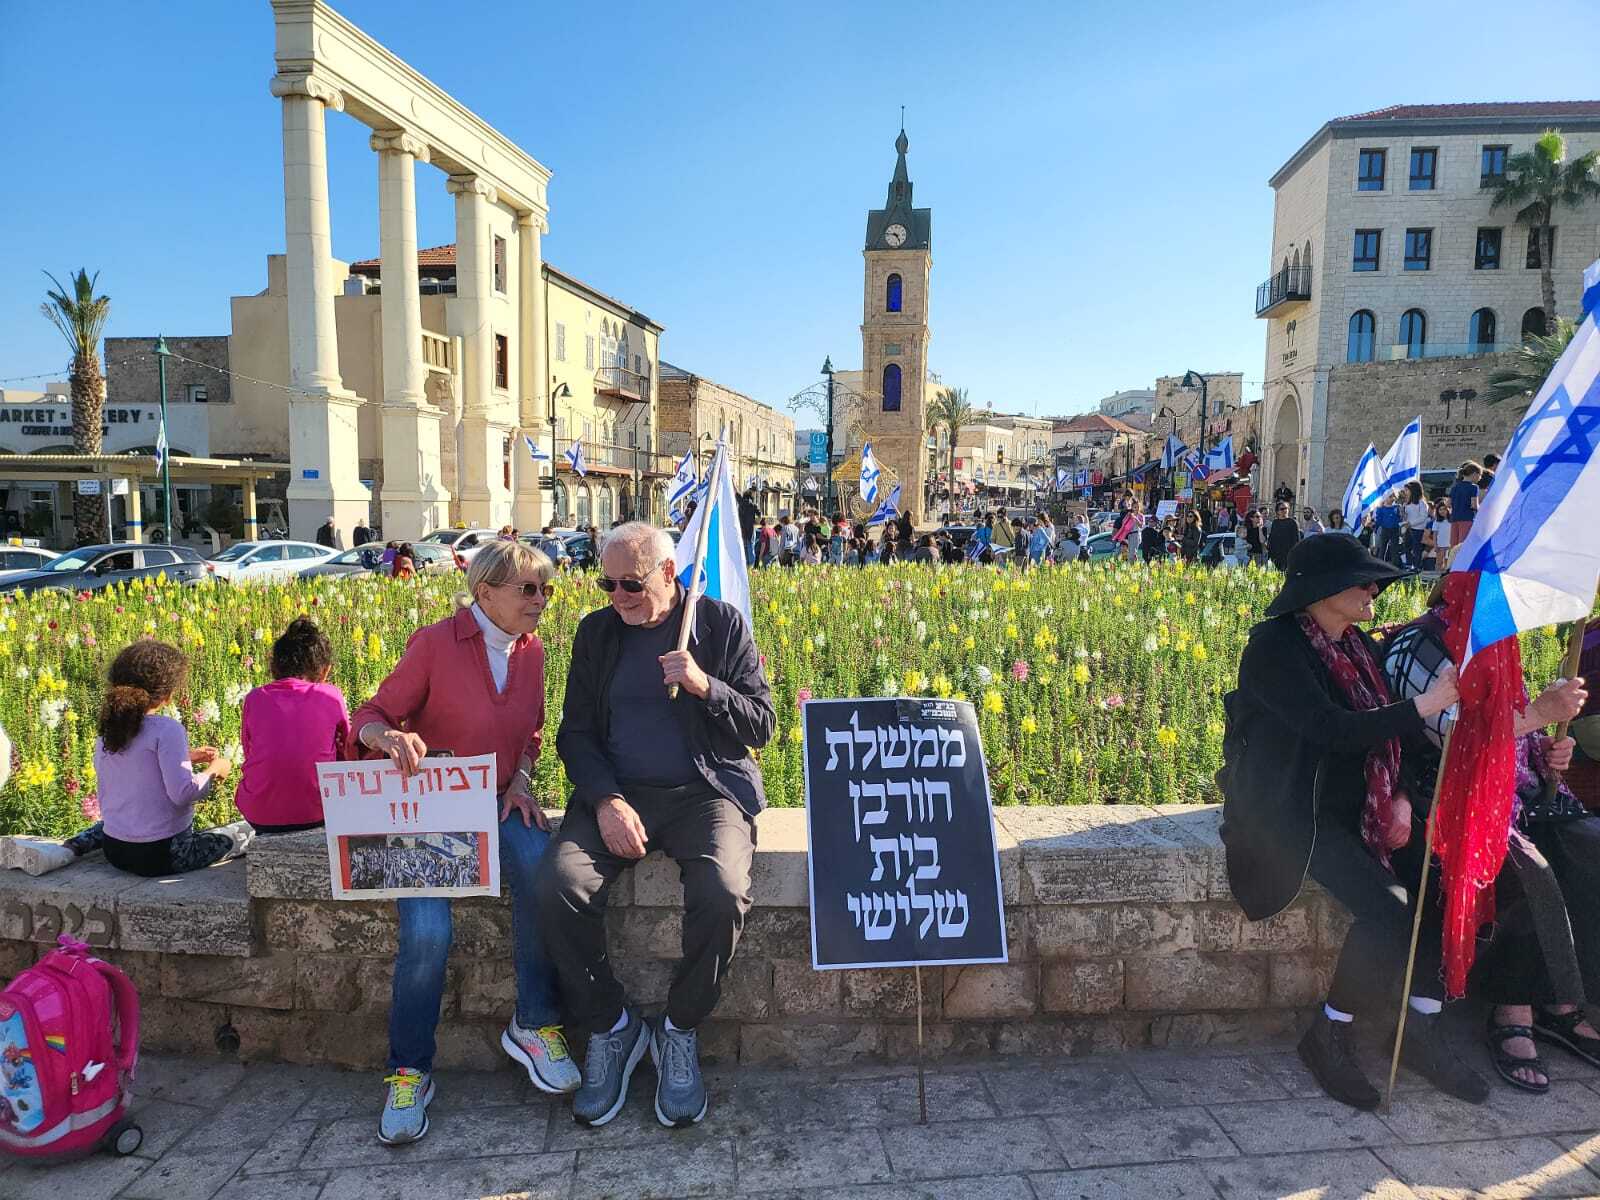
column 425, row 930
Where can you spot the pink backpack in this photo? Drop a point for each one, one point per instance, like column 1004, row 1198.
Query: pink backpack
column 69, row 1043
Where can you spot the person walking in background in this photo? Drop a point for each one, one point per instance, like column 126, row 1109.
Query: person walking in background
column 1491, row 463
column 405, row 562
column 1193, row 536
column 1283, row 537
column 1038, row 542
column 1152, row 542
column 749, row 513
column 1386, row 525
column 1313, row 523
column 1255, row 537
column 1335, row 522
column 1418, row 516
column 1464, row 493
column 328, row 535
column 903, row 528
column 361, row 534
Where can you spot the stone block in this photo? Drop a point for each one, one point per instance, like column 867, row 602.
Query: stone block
column 777, row 933
column 171, row 1026
column 1299, row 979
column 747, row 990
column 203, row 912
column 80, row 899
column 807, row 1045
column 940, row 1039
column 488, row 987
column 142, row 967
column 359, row 1041
column 1102, row 854
column 1060, row 1036
column 265, row 982
column 798, row 990
column 1010, row 851
column 330, row 927
column 777, row 873
column 289, row 866
column 15, row 957
column 1222, row 927
column 991, row 991
column 481, row 928
column 1066, row 930
column 889, row 992
column 646, row 980
column 1218, row 1029
column 1092, row 985
column 719, row 1041
column 638, row 932
column 1182, row 982
column 1333, row 922
column 327, row 983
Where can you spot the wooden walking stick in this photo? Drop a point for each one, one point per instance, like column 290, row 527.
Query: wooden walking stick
column 700, row 541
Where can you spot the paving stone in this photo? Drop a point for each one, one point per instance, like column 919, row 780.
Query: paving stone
column 1095, row 1139
column 247, row 1120
column 163, row 1123
column 186, row 1175
column 305, row 1185
column 1063, row 1087
column 510, row 1177
column 196, row 1081
column 842, row 1156
column 1279, row 1126
column 996, row 1187
column 341, row 1094
column 1491, row 1170
column 703, row 1169
column 636, row 1124
column 283, row 1150
column 1328, row 1175
column 1426, row 1115
column 462, row 1132
column 1175, row 1079
column 776, row 1104
column 971, row 1148
column 99, row 1177
column 1170, row 1181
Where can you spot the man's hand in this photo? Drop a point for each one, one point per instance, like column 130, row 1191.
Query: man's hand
column 1561, row 701
column 202, row 756
column 517, row 797
column 1399, row 831
column 620, row 827
column 1559, row 753
column 679, row 667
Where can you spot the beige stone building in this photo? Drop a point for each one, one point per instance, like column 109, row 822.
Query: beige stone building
column 1394, row 284
column 761, row 440
column 1177, row 408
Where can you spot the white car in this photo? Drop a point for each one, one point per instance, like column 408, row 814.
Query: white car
column 465, row 542
column 258, row 562
column 14, row 560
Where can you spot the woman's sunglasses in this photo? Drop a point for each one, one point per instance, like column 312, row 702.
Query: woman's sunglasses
column 530, row 590
column 632, row 586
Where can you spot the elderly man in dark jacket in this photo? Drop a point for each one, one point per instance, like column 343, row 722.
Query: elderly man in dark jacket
column 653, row 771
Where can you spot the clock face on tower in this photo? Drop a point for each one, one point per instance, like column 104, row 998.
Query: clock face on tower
column 895, row 236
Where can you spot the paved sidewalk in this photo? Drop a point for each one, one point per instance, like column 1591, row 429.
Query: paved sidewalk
column 1215, row 1124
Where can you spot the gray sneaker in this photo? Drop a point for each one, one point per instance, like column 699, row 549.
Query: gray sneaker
column 606, row 1070
column 405, row 1112
column 680, row 1092
column 543, row 1053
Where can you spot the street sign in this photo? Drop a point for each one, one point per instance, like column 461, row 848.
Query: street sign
column 310, row 473
column 819, row 451
column 88, row 487
column 119, row 487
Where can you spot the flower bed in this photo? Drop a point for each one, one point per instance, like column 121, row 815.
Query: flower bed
column 1093, row 684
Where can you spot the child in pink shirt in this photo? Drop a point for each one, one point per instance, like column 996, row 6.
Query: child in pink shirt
column 287, row 727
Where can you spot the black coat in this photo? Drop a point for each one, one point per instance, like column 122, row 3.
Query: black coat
column 1282, row 537
column 1291, row 741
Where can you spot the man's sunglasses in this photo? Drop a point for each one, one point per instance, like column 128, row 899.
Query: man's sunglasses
column 530, row 590
column 632, row 586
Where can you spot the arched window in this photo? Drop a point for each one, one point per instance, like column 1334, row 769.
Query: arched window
column 1296, row 263
column 1481, row 330
column 1413, row 332
column 891, row 388
column 1360, row 344
column 604, row 517
column 585, row 506
column 561, row 503
column 1532, row 322
column 891, row 297
column 1305, row 261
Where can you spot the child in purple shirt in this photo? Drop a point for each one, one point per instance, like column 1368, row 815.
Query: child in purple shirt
column 287, row 727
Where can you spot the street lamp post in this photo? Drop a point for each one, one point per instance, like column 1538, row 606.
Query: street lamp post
column 1190, row 378
column 162, row 353
column 827, row 474
column 560, row 392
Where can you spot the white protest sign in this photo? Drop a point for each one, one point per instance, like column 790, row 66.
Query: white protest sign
column 1165, row 509
column 433, row 834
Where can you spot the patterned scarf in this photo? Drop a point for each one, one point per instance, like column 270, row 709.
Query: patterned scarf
column 1357, row 675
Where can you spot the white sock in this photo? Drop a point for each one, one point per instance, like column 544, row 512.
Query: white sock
column 673, row 1027
column 1333, row 1014
column 621, row 1022
column 1427, row 1007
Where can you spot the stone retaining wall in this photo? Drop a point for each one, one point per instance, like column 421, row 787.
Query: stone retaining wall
column 1119, row 922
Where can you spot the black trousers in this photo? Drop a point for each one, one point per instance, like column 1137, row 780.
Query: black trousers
column 712, row 841
column 1372, row 963
column 1546, row 946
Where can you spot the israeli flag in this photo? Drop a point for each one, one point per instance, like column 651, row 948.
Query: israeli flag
column 1063, row 481
column 721, row 571
column 1403, row 463
column 870, row 471
column 574, row 456
column 1533, row 539
column 1591, row 289
column 1172, row 452
column 161, row 445
column 1364, row 488
column 1220, row 456
column 534, row 452
column 888, row 510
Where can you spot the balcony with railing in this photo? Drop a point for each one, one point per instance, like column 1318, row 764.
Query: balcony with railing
column 619, row 383
column 1290, row 286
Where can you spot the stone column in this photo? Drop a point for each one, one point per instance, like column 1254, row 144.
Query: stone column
column 252, row 527
column 474, row 290
column 322, row 414
column 135, row 513
column 414, row 501
column 532, row 507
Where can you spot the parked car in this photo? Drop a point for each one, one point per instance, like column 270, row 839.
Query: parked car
column 18, row 560
column 1101, row 546
column 580, row 550
column 1224, row 550
column 90, row 568
column 465, row 542
column 258, row 562
column 429, row 558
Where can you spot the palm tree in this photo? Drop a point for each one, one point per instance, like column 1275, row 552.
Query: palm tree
column 1538, row 182
column 1531, row 365
column 81, row 316
column 952, row 409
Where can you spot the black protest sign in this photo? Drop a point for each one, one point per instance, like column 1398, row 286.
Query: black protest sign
column 903, row 864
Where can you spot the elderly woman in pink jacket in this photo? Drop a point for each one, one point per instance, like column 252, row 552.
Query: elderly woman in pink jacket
column 472, row 684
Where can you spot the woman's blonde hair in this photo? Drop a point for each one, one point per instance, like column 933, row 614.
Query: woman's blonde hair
column 501, row 562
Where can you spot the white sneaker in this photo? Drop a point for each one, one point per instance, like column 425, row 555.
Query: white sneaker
column 36, row 856
column 240, row 833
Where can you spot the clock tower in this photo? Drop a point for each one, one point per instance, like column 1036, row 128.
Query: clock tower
column 894, row 335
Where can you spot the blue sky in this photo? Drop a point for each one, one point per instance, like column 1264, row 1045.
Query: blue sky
column 1097, row 172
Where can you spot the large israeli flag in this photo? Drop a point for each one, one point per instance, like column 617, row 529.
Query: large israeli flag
column 1403, row 463
column 870, row 472
column 1364, row 488
column 1533, row 539
column 888, row 510
column 1063, row 480
column 722, row 573
column 574, row 457
column 1591, row 289
column 1172, row 452
column 1220, row 456
column 683, row 483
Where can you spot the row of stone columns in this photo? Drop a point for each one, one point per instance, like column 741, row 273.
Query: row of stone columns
column 322, row 413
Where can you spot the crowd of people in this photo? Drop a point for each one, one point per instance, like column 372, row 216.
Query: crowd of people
column 387, row 866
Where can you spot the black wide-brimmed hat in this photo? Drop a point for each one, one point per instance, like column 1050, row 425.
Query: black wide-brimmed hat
column 1325, row 564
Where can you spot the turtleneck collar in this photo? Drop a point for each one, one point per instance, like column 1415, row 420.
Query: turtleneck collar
column 498, row 643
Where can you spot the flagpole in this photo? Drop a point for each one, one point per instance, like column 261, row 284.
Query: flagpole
column 1569, row 666
column 701, row 542
column 1416, row 920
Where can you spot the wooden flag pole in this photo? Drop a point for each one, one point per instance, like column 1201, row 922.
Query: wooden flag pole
column 922, row 1083
column 1416, row 920
column 701, row 540
column 1569, row 666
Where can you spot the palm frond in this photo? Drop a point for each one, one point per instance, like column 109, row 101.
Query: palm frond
column 1531, row 365
column 79, row 314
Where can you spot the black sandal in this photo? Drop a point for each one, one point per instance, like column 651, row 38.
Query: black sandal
column 1506, row 1064
column 1561, row 1029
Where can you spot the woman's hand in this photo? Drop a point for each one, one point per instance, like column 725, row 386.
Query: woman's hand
column 1561, row 701
column 1441, row 693
column 203, row 756
column 405, row 750
column 517, row 797
column 620, row 828
column 221, row 768
column 1399, row 831
column 1558, row 752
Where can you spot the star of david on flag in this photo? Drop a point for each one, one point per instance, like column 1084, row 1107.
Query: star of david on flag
column 534, row 452
column 1220, row 456
column 888, row 510
column 870, row 471
column 161, row 444
column 574, row 456
column 1172, row 452
column 1403, row 463
column 1364, row 488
